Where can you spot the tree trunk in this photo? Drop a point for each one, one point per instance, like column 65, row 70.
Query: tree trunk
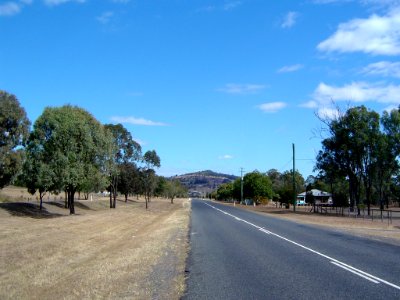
column 71, row 194
column 66, row 203
column 115, row 198
column 111, row 202
column 126, row 198
column 41, row 200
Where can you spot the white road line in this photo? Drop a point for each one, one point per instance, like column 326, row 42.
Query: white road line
column 334, row 261
column 354, row 272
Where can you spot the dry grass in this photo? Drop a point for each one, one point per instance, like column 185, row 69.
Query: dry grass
column 126, row 253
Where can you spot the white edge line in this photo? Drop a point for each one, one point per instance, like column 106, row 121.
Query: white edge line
column 354, row 272
column 333, row 260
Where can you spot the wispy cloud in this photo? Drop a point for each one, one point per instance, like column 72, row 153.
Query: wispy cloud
column 234, row 88
column 226, row 156
column 105, row 17
column 290, row 19
column 13, row 8
column 272, row 107
column 227, row 6
column 292, row 68
column 377, row 35
column 58, row 2
column 232, row 5
column 136, row 121
column 10, row 9
column 383, row 68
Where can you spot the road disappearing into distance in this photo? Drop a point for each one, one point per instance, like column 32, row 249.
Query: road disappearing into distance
column 237, row 254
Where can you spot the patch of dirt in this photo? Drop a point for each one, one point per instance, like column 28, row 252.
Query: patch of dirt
column 123, row 253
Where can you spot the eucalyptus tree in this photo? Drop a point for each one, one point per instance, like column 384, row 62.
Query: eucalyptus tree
column 174, row 188
column 128, row 179
column 151, row 160
column 69, row 145
column 388, row 151
column 14, row 130
column 351, row 151
column 127, row 151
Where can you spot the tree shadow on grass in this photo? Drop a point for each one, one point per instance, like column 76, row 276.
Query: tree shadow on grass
column 82, row 206
column 77, row 205
column 29, row 210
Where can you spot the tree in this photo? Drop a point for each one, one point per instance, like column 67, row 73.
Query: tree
column 258, row 187
column 151, row 161
column 225, row 191
column 37, row 174
column 285, row 188
column 73, row 146
column 351, row 151
column 14, row 130
column 127, row 151
column 171, row 188
column 128, row 179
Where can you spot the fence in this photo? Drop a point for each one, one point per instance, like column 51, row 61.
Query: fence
column 375, row 214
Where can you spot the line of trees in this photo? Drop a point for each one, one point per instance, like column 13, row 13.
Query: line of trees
column 262, row 187
column 69, row 151
column 361, row 155
column 358, row 164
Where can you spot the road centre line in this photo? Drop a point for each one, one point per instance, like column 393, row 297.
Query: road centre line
column 334, row 261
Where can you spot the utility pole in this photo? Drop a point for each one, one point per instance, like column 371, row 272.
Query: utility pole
column 241, row 185
column 294, row 179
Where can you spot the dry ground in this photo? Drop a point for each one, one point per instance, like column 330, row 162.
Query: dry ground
column 99, row 253
column 358, row 226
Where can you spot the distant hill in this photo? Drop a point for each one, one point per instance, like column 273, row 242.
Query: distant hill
column 204, row 181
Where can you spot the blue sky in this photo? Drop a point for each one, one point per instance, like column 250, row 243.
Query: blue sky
column 208, row 84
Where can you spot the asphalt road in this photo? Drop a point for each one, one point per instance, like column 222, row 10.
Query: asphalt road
column 237, row 254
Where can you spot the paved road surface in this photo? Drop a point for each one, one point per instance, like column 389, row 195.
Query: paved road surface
column 237, row 254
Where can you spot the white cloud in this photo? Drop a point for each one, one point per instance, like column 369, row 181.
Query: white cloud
column 292, row 68
column 290, row 19
column 357, row 92
column 272, row 107
column 383, row 68
column 226, row 156
column 233, row 88
column 377, row 35
column 58, row 2
column 326, row 98
column 137, row 121
column 105, row 17
column 327, row 113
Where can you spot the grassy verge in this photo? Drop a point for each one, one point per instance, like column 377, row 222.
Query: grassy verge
column 98, row 253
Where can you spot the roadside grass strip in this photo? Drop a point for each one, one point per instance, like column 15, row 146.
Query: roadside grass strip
column 334, row 261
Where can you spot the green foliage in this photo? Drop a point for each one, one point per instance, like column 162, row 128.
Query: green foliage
column 14, row 130
column 359, row 152
column 72, row 148
column 126, row 152
column 257, row 186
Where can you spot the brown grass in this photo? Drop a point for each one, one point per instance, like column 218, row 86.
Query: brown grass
column 123, row 253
